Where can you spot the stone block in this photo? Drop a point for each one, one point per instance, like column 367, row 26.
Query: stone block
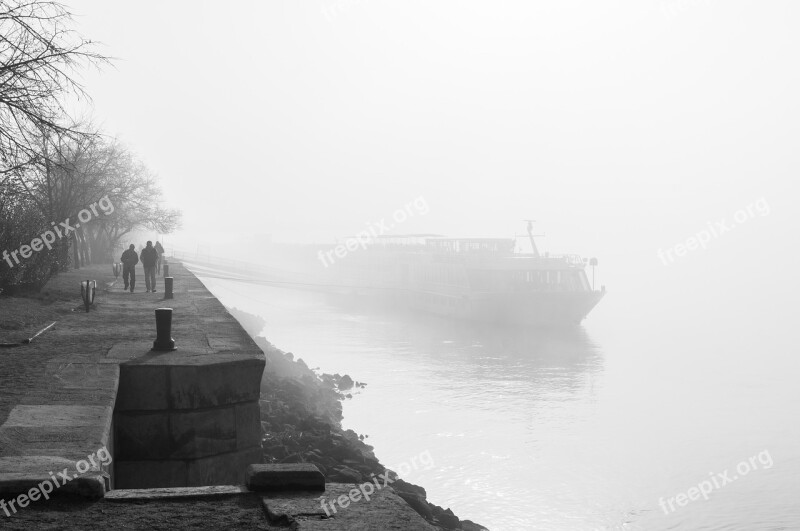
column 284, row 477
column 142, row 436
column 142, row 387
column 56, row 416
column 227, row 469
column 248, row 426
column 68, row 442
column 213, row 385
column 306, row 510
column 20, row 474
column 175, row 493
column 149, row 474
column 204, row 433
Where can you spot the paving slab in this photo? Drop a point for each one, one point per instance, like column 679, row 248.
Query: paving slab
column 21, row 474
column 130, row 495
column 304, row 511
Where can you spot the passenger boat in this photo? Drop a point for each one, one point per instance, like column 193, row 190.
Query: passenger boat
column 481, row 279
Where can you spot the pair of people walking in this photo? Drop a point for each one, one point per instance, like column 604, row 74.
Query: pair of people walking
column 150, row 258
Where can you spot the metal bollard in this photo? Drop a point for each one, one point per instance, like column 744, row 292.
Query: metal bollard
column 166, row 270
column 167, row 287
column 164, row 341
column 88, row 289
column 116, row 268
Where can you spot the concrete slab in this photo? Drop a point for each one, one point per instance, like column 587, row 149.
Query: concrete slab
column 67, row 442
column 55, row 416
column 127, row 495
column 21, row 474
column 384, row 510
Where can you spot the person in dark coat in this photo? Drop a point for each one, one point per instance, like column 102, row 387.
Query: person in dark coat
column 149, row 258
column 129, row 260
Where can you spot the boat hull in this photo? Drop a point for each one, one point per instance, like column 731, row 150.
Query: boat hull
column 520, row 309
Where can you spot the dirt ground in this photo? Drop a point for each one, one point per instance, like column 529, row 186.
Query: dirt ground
column 22, row 367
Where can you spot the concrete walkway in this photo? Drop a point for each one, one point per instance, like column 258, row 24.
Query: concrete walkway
column 219, row 508
column 59, row 392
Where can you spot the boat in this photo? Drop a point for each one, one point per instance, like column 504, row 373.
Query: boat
column 477, row 279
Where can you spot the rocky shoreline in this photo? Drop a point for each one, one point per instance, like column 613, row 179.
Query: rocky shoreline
column 301, row 415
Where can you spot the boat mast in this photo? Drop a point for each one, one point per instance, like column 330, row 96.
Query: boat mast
column 531, row 236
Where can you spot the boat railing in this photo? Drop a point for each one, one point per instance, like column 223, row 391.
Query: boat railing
column 572, row 259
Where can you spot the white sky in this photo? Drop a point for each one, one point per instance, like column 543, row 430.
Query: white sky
column 620, row 128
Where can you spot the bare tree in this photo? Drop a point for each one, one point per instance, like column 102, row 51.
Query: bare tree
column 79, row 172
column 136, row 197
column 39, row 55
column 50, row 167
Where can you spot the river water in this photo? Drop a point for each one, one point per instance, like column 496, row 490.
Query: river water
column 628, row 422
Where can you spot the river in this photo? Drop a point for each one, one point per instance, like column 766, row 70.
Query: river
column 662, row 420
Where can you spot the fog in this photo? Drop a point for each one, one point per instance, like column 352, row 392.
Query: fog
column 619, row 126
column 659, row 136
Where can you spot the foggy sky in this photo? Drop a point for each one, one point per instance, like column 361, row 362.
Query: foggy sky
column 622, row 127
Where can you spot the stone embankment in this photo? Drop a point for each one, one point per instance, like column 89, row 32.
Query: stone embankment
column 194, row 434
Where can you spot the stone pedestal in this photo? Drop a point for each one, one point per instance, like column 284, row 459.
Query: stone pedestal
column 187, row 418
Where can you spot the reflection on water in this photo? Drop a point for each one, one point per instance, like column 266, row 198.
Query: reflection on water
column 546, row 429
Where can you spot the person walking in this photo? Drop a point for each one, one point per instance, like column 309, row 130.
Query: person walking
column 160, row 251
column 149, row 258
column 129, row 260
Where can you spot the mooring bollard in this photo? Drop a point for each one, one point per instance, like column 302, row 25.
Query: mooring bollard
column 167, row 287
column 164, row 341
column 88, row 289
column 166, row 270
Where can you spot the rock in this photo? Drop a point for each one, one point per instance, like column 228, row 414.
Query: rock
column 345, row 474
column 469, row 525
column 404, row 486
column 276, row 450
column 315, row 454
column 345, row 383
column 418, row 503
column 448, row 519
column 351, row 435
